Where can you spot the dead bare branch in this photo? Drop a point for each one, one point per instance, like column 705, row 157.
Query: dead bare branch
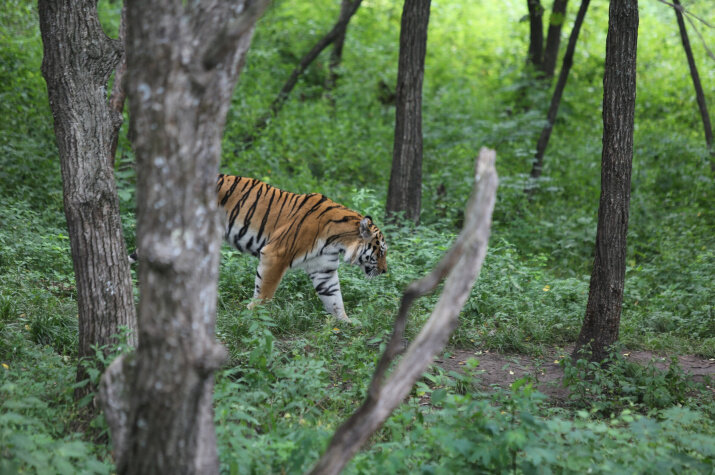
column 461, row 266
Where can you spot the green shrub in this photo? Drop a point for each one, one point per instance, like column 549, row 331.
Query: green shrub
column 616, row 384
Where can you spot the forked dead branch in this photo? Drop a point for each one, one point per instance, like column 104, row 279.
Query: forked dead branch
column 460, row 266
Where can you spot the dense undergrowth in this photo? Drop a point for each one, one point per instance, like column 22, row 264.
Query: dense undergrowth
column 294, row 373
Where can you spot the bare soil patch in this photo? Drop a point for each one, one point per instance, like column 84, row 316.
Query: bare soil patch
column 502, row 370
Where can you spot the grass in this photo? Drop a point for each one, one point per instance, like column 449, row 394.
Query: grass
column 294, row 372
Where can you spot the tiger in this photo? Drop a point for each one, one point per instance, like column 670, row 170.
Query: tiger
column 305, row 231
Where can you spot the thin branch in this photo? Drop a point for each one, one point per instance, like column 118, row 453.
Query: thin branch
column 688, row 14
column 461, row 266
column 280, row 99
column 685, row 11
column 700, row 36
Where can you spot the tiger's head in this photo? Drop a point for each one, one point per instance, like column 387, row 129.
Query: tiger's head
column 372, row 254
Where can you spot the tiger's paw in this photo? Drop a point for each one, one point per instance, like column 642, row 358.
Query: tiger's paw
column 351, row 321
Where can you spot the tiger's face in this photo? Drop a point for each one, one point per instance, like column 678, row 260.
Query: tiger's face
column 373, row 254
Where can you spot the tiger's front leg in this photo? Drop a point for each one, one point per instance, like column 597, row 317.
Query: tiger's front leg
column 327, row 285
column 268, row 275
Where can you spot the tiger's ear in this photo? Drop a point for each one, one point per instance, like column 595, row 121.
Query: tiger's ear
column 365, row 228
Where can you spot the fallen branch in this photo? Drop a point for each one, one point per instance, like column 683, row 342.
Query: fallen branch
column 461, row 266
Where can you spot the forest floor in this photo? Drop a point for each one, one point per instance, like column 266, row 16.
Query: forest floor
column 496, row 369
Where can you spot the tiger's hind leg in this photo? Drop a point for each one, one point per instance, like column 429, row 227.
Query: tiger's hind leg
column 327, row 285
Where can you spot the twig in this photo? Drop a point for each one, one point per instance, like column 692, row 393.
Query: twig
column 688, row 14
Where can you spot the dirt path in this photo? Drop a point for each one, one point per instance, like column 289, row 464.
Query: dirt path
column 502, row 369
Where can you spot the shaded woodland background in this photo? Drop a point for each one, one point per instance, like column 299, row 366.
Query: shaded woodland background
column 293, row 375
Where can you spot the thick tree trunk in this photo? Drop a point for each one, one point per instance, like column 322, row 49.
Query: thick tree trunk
column 404, row 193
column 605, row 297
column 536, row 33
column 183, row 63
column 77, row 63
column 699, row 95
column 460, row 266
column 553, row 38
column 556, row 97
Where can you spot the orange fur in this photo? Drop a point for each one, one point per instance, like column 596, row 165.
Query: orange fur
column 310, row 231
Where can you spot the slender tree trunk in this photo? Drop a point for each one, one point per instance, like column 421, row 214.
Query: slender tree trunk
column 336, row 55
column 536, row 33
column 183, row 62
column 77, row 63
column 119, row 95
column 336, row 32
column 700, row 96
column 605, row 297
column 553, row 37
column 404, row 193
column 556, row 97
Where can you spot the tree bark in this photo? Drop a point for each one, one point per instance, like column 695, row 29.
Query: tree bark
column 336, row 56
column 605, row 297
column 553, row 38
column 404, row 193
column 556, row 97
column 183, row 62
column 336, row 32
column 461, row 266
column 119, row 95
column 536, row 33
column 699, row 95
column 77, row 63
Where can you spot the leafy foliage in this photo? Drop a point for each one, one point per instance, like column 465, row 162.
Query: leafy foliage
column 617, row 384
column 294, row 373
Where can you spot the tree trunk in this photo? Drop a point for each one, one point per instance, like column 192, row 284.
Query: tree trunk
column 77, row 63
column 119, row 95
column 183, row 62
column 700, row 96
column 556, row 97
column 336, row 55
column 553, row 38
column 336, row 32
column 605, row 297
column 536, row 33
column 404, row 193
column 460, row 266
